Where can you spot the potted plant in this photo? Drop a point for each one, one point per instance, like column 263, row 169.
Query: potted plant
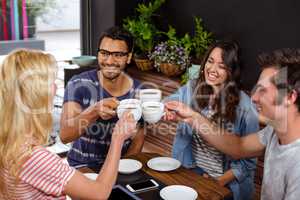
column 144, row 33
column 172, row 57
column 200, row 43
column 201, row 40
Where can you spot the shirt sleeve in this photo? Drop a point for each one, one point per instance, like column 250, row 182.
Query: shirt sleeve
column 73, row 91
column 183, row 94
column 46, row 172
column 265, row 135
column 244, row 168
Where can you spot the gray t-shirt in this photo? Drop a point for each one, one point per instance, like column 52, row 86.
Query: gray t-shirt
column 281, row 180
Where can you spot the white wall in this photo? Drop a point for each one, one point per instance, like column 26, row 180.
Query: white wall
column 66, row 16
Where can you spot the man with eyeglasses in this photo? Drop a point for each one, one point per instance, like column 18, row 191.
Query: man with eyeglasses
column 277, row 97
column 91, row 99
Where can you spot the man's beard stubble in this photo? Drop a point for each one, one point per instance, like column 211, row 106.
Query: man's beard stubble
column 114, row 74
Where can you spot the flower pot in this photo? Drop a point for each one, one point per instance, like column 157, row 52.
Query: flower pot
column 143, row 64
column 193, row 71
column 170, row 69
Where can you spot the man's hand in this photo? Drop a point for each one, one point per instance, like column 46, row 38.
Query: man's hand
column 177, row 111
column 125, row 127
column 106, row 108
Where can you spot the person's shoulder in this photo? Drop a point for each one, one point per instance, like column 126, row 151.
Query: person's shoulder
column 90, row 74
column 87, row 76
column 42, row 152
column 41, row 156
column 245, row 101
column 137, row 84
column 266, row 135
column 188, row 86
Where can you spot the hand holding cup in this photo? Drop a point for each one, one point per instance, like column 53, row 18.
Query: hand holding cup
column 125, row 127
column 177, row 111
column 107, row 108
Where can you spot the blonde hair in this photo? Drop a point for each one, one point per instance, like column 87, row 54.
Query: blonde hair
column 25, row 102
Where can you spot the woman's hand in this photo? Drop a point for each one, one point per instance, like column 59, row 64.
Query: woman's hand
column 177, row 111
column 125, row 127
column 226, row 178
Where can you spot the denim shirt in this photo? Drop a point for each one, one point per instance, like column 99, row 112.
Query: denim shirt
column 246, row 122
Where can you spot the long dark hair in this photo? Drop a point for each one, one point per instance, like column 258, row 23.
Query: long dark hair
column 226, row 101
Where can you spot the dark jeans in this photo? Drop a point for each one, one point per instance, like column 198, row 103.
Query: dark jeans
column 199, row 170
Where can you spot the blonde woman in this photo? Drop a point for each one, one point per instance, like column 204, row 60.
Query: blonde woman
column 27, row 169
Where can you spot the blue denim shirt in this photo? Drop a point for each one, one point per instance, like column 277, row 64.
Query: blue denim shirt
column 246, row 122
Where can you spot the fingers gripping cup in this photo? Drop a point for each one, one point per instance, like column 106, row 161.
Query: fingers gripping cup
column 152, row 111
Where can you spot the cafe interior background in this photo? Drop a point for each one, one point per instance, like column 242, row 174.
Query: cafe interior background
column 69, row 28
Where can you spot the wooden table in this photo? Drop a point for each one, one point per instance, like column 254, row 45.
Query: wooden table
column 207, row 189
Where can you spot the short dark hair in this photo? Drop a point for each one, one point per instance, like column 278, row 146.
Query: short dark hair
column 287, row 61
column 117, row 33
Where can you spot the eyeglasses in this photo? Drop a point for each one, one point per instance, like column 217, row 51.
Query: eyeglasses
column 116, row 54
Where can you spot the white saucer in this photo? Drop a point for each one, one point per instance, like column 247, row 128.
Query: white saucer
column 128, row 166
column 58, row 148
column 163, row 164
column 178, row 192
column 92, row 176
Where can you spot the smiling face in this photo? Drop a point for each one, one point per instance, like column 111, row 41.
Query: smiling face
column 265, row 97
column 112, row 65
column 215, row 71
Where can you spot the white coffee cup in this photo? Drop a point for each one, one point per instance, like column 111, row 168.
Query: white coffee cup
column 152, row 111
column 135, row 109
column 131, row 101
column 152, row 95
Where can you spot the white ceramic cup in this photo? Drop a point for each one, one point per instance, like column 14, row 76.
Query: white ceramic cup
column 135, row 109
column 147, row 95
column 152, row 111
column 130, row 101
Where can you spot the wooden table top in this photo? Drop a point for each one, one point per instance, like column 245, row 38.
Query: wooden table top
column 207, row 189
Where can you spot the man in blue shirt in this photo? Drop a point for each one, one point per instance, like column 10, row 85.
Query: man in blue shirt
column 91, row 99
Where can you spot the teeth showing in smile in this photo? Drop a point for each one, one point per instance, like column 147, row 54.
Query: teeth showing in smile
column 258, row 108
column 212, row 76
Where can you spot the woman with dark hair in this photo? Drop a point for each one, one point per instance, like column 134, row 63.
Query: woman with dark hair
column 216, row 94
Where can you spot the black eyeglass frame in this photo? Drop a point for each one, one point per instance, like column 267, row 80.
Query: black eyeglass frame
column 115, row 54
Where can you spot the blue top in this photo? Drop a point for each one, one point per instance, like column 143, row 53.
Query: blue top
column 92, row 147
column 246, row 122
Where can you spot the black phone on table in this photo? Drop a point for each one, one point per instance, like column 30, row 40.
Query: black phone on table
column 142, row 186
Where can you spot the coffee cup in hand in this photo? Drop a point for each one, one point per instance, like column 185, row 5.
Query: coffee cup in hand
column 147, row 95
column 152, row 111
column 131, row 105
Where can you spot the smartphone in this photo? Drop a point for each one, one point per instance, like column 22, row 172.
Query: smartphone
column 120, row 193
column 142, row 186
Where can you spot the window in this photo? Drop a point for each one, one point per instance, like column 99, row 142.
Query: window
column 51, row 25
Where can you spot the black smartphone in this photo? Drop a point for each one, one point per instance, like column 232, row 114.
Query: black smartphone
column 120, row 193
column 142, row 186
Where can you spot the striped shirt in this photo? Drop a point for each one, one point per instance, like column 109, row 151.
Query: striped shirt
column 42, row 176
column 207, row 157
column 92, row 147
